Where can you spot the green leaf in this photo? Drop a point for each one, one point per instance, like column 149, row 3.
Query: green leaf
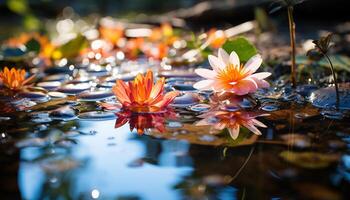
column 242, row 47
column 33, row 45
column 71, row 48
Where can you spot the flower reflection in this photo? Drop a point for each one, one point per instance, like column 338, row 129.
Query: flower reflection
column 144, row 121
column 228, row 75
column 142, row 95
column 14, row 79
column 233, row 121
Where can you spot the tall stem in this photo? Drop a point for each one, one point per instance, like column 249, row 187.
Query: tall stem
column 334, row 79
column 292, row 44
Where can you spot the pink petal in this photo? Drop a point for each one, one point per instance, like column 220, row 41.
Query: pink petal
column 234, row 131
column 216, row 63
column 204, row 85
column 206, row 73
column 261, row 75
column 222, row 54
column 261, row 83
column 234, row 59
column 245, row 86
column 253, row 64
column 249, row 125
column 219, row 126
column 258, row 123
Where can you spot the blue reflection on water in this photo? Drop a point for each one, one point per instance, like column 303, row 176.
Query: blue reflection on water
column 105, row 170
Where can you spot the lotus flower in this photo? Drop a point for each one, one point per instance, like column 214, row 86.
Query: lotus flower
column 14, row 79
column 143, row 121
column 142, row 95
column 228, row 75
column 232, row 121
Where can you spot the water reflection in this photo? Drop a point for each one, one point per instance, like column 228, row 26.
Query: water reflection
column 103, row 170
column 143, row 121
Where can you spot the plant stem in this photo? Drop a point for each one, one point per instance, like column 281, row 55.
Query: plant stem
column 292, row 44
column 334, row 79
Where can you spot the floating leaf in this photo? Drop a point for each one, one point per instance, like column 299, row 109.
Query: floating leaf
column 310, row 160
column 242, row 47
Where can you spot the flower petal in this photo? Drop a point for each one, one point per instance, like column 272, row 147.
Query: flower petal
column 245, row 86
column 258, row 123
column 204, row 85
column 216, row 63
column 261, row 75
column 206, row 73
column 261, row 83
column 252, row 128
column 223, row 56
column 234, row 131
column 253, row 64
column 234, row 59
column 167, row 99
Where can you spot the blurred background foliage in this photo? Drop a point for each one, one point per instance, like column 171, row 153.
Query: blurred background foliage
column 28, row 14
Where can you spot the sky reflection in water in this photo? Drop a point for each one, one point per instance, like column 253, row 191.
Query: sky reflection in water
column 109, row 166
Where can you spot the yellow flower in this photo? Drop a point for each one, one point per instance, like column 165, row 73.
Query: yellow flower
column 142, row 95
column 14, row 79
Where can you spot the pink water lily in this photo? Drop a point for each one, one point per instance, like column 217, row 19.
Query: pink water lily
column 228, row 75
column 233, row 121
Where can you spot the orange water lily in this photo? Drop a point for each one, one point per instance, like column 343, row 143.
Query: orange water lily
column 220, row 120
column 14, row 79
column 142, row 95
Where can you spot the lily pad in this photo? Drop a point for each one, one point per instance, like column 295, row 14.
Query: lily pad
column 310, row 160
column 242, row 47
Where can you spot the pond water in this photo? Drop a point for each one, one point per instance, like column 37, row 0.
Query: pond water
column 64, row 144
column 66, row 136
